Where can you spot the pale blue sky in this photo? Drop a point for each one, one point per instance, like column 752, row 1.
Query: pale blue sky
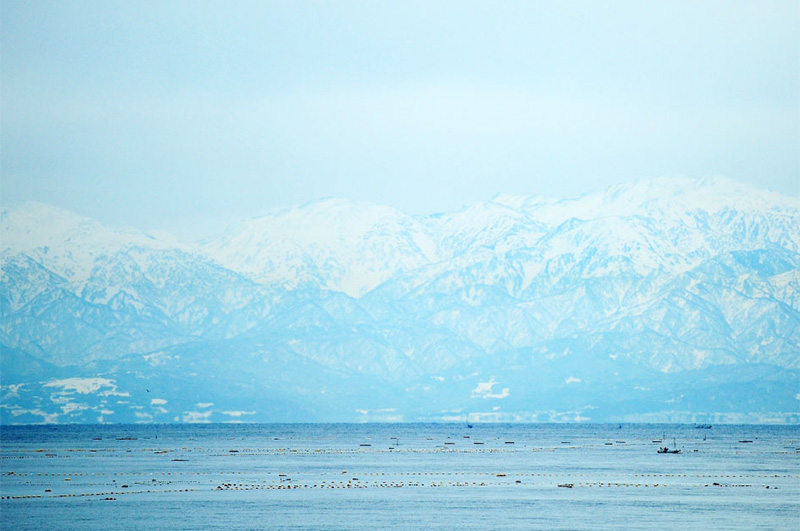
column 189, row 115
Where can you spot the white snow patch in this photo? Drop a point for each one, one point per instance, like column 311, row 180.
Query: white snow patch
column 484, row 387
column 84, row 386
column 47, row 418
column 12, row 390
column 197, row 416
column 699, row 356
column 484, row 390
column 157, row 359
column 504, row 394
column 380, row 415
column 72, row 406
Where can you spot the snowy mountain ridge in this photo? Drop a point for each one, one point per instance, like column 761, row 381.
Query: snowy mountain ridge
column 649, row 300
column 65, row 242
column 334, row 237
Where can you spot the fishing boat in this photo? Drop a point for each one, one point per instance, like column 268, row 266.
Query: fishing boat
column 666, row 450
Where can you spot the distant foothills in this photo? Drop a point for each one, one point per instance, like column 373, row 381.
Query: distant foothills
column 669, row 300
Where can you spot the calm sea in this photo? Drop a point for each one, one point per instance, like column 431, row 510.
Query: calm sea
column 399, row 476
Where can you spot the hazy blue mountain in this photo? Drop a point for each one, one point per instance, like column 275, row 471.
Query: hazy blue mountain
column 671, row 299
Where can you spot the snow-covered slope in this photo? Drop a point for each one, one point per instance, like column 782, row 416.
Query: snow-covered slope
column 334, row 244
column 653, row 300
column 64, row 242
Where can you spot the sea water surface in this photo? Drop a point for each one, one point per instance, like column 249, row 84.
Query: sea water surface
column 399, row 476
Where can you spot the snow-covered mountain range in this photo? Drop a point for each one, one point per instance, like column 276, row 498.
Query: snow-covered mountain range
column 669, row 299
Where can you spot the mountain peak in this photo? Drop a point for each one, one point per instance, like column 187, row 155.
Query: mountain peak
column 64, row 241
column 709, row 194
column 34, row 224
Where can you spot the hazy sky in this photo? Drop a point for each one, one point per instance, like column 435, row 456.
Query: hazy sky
column 188, row 115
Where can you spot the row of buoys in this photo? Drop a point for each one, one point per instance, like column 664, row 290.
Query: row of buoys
column 371, row 449
column 300, row 451
column 89, row 494
column 95, row 474
column 68, row 450
column 355, row 485
column 440, row 484
column 410, row 473
column 268, row 450
column 359, row 485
